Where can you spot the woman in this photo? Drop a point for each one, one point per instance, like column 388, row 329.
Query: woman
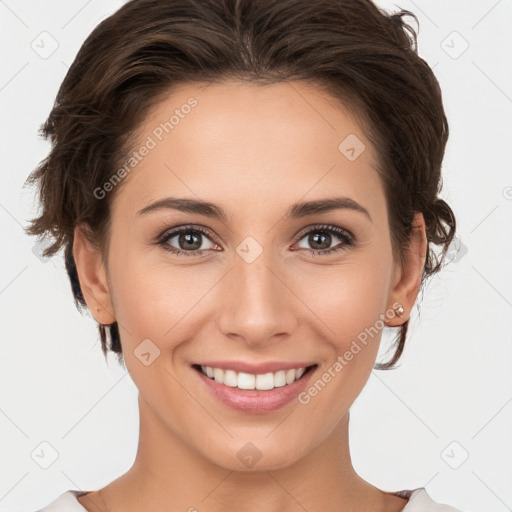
column 247, row 194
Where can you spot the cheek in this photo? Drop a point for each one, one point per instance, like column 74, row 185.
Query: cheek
column 348, row 297
column 350, row 302
column 155, row 298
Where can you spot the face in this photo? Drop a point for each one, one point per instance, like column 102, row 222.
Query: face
column 261, row 283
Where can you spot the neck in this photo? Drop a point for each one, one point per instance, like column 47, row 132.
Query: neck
column 169, row 475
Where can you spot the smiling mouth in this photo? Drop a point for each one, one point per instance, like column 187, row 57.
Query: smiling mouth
column 248, row 381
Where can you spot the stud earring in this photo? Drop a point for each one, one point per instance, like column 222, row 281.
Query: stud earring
column 399, row 310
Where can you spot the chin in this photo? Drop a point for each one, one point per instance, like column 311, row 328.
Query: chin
column 255, row 456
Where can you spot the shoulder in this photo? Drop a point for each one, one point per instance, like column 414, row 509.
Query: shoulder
column 66, row 502
column 420, row 501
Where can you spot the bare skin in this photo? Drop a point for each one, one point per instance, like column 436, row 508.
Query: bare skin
column 253, row 151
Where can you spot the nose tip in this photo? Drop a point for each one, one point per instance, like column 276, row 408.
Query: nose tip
column 257, row 305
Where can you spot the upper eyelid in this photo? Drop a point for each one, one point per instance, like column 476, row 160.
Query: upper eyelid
column 172, row 232
column 320, row 227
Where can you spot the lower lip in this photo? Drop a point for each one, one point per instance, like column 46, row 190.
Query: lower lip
column 255, row 400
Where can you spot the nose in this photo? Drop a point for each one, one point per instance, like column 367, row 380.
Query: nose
column 258, row 306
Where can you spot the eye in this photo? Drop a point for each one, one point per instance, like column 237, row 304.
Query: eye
column 321, row 237
column 187, row 241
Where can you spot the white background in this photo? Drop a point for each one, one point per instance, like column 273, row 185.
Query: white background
column 454, row 386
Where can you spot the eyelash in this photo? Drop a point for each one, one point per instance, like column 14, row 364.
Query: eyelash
column 347, row 238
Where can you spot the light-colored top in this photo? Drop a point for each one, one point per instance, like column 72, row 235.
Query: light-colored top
column 419, row 501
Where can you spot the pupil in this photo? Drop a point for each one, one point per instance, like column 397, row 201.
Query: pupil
column 323, row 237
column 190, row 241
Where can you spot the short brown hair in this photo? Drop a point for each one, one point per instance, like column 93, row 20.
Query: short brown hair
column 358, row 53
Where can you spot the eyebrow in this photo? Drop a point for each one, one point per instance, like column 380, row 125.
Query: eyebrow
column 296, row 211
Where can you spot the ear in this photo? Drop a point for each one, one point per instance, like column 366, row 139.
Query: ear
column 93, row 277
column 407, row 280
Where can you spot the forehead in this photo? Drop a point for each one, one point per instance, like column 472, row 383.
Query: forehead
column 248, row 142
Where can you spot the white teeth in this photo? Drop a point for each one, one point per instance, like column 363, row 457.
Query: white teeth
column 290, row 376
column 265, row 381
column 279, row 379
column 230, row 378
column 245, row 381
column 299, row 373
column 218, row 374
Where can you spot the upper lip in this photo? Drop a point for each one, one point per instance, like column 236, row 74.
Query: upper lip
column 256, row 368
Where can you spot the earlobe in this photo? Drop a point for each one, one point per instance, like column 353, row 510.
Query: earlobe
column 93, row 278
column 408, row 277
